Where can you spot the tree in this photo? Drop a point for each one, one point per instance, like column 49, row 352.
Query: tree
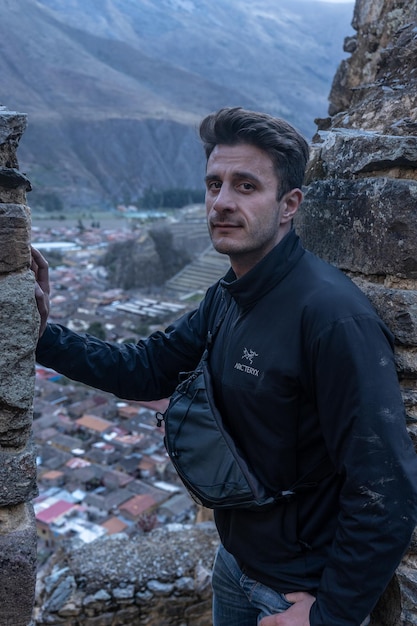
column 97, row 330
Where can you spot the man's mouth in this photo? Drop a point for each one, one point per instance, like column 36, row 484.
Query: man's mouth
column 224, row 225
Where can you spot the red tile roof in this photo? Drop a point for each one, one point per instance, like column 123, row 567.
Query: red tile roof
column 54, row 511
column 92, row 422
column 114, row 525
column 137, row 505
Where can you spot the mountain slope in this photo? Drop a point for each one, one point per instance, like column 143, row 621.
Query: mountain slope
column 114, row 89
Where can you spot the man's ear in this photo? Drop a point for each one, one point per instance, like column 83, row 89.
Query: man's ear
column 290, row 203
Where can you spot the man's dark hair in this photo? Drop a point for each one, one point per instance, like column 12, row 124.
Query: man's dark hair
column 287, row 149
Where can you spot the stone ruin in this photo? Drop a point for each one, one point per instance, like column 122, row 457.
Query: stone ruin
column 359, row 213
column 360, row 209
column 18, row 336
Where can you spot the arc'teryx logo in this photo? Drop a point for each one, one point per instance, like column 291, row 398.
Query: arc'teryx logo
column 249, row 355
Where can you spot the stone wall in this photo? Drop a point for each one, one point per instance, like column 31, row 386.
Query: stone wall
column 161, row 578
column 18, row 335
column 360, row 211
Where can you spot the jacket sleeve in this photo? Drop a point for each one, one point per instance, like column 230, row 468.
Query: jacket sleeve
column 363, row 421
column 147, row 370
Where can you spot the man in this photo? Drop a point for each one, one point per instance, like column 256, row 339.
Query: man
column 303, row 371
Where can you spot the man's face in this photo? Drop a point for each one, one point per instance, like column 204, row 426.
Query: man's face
column 244, row 217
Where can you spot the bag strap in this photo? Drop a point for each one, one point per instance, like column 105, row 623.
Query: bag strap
column 312, row 478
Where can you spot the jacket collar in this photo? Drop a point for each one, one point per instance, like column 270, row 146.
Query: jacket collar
column 266, row 274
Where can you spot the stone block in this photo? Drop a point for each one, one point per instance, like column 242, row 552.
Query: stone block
column 128, row 615
column 15, row 427
column 397, row 307
column 105, row 619
column 367, row 11
column 199, row 613
column 14, row 237
column 18, row 336
column 406, row 363
column 18, row 476
column 365, row 226
column 344, row 153
column 17, row 564
column 61, row 594
column 408, row 584
column 409, row 396
column 12, row 126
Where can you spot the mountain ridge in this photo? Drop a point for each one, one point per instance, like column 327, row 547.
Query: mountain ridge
column 114, row 91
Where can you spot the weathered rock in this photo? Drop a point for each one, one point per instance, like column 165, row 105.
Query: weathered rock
column 60, row 594
column 349, row 153
column 18, row 336
column 18, row 476
column 361, row 195
column 11, row 178
column 343, row 220
column 162, row 577
column 397, row 307
column 14, row 237
column 375, row 89
column 17, row 563
column 406, row 361
column 12, row 127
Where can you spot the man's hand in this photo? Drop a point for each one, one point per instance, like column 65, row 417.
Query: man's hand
column 296, row 615
column 39, row 266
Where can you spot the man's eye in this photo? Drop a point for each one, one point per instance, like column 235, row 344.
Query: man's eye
column 246, row 187
column 214, row 185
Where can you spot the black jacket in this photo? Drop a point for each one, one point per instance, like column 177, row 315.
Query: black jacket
column 303, row 370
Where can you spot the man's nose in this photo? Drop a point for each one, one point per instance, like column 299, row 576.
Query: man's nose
column 225, row 200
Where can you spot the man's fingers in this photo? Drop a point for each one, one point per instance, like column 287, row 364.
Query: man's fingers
column 42, row 302
column 297, row 596
column 296, row 615
column 37, row 257
column 40, row 267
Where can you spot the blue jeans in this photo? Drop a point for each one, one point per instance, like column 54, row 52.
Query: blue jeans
column 239, row 600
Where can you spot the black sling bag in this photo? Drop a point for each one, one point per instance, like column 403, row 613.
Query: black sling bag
column 205, row 455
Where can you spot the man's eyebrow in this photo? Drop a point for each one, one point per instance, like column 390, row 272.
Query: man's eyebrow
column 239, row 175
column 242, row 175
column 210, row 177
